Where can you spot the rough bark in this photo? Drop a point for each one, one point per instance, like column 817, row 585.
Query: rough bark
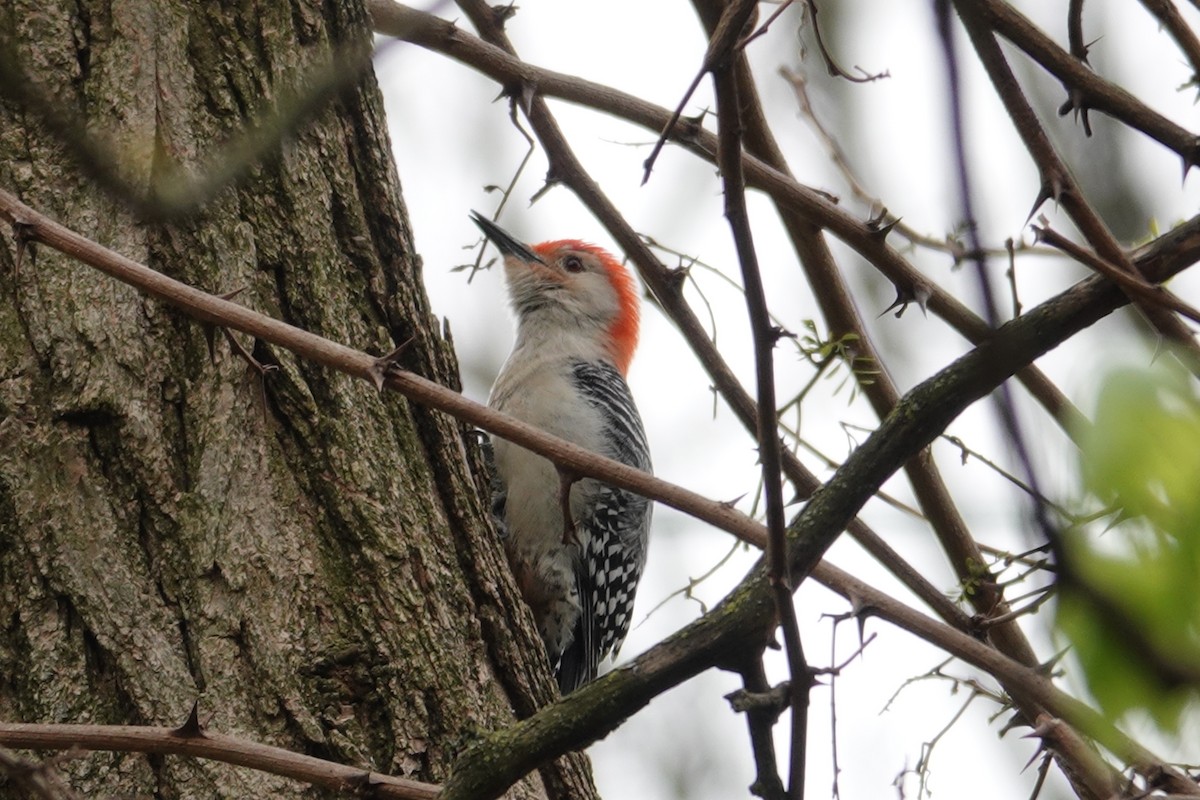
column 307, row 558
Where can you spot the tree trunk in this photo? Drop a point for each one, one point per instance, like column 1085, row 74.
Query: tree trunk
column 309, row 559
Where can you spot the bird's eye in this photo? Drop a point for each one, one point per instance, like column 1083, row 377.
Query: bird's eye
column 573, row 264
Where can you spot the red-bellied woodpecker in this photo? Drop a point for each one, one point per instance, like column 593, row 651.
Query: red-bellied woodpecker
column 577, row 327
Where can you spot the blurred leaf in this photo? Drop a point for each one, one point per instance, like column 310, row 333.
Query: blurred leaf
column 1134, row 616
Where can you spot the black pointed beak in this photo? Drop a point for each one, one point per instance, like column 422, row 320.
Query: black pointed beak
column 505, row 242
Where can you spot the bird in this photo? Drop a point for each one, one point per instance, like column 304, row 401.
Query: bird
column 577, row 548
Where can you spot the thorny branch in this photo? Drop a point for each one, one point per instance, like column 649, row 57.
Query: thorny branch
column 729, row 157
column 1085, row 88
column 190, row 740
column 566, row 169
column 215, row 310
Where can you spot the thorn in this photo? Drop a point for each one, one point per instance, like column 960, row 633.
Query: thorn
column 878, row 228
column 502, row 14
column 918, row 294
column 259, row 367
column 882, row 231
column 1047, row 191
column 191, row 728
column 1045, row 726
column 521, row 97
column 1074, row 103
column 860, row 610
column 860, row 620
column 526, row 98
column 1047, row 666
column 1087, row 47
column 380, row 367
column 1191, row 159
column 1016, row 720
column 922, row 295
column 210, row 338
column 733, row 503
column 687, row 128
column 1037, row 753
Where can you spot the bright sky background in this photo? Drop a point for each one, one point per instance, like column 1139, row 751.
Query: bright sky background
column 451, row 141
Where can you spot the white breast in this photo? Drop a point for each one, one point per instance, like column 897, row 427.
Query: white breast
column 541, row 392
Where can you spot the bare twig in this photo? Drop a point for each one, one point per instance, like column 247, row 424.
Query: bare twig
column 1079, row 49
column 719, row 46
column 830, row 63
column 1003, row 397
column 949, row 244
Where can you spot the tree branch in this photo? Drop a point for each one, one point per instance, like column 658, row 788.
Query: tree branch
column 1086, row 88
column 729, row 158
column 191, row 741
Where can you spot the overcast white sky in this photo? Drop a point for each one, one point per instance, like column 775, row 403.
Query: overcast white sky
column 451, row 141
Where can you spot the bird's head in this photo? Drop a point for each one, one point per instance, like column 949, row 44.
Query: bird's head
column 571, row 283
